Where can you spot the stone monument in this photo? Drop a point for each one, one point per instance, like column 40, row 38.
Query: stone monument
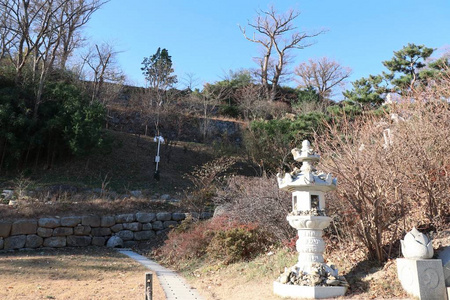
column 311, row 277
column 420, row 276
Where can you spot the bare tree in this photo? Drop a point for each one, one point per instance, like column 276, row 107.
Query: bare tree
column 101, row 63
column 271, row 30
column 251, row 102
column 190, row 80
column 75, row 14
column 39, row 32
column 323, row 74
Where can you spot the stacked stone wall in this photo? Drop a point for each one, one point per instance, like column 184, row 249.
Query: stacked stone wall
column 82, row 231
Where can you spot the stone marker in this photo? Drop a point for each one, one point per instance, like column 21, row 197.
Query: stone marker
column 422, row 278
column 419, row 275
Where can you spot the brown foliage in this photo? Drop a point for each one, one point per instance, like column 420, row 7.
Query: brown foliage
column 258, row 199
column 393, row 169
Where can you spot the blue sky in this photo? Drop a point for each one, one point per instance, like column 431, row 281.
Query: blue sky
column 204, row 39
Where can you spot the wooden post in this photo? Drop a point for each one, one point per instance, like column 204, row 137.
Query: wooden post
column 148, row 286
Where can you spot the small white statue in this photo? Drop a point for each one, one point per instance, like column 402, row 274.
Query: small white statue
column 417, row 245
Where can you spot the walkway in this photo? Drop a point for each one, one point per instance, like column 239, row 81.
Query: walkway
column 174, row 286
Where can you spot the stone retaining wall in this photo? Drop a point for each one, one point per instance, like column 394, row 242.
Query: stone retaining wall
column 81, row 231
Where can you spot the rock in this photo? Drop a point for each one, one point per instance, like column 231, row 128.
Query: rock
column 1, row 243
column 333, row 282
column 135, row 226
column 178, row 216
column 170, row 224
column 44, row 232
column 114, row 242
column 55, row 242
column 136, row 194
column 93, row 221
column 24, row 227
column 165, row 197
column 78, row 241
column 5, row 229
column 206, row 215
column 144, row 235
column 34, row 241
column 70, row 221
column 117, row 228
column 125, row 218
column 147, row 226
column 157, row 225
column 7, row 194
column 62, row 231
column 129, row 244
column 98, row 241
column 101, row 231
column 82, row 230
column 125, row 235
column 145, row 217
column 163, row 216
column 49, row 222
column 107, row 221
column 221, row 209
column 15, row 242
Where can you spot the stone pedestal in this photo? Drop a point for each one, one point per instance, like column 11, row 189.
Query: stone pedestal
column 422, row 278
column 309, row 292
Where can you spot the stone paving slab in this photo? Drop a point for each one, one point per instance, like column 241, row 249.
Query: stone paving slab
column 175, row 287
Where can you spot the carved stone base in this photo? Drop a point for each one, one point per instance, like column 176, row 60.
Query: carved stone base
column 422, row 278
column 309, row 292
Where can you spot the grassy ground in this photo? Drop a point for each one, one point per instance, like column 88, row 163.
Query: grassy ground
column 91, row 273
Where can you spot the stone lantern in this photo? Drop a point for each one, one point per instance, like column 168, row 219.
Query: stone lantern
column 311, row 277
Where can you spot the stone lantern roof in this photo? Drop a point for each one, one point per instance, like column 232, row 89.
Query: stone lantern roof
column 307, row 178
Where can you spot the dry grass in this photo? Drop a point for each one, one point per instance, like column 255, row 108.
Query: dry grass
column 91, row 273
column 253, row 280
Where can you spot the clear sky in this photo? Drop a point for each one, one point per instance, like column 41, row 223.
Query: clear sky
column 204, row 39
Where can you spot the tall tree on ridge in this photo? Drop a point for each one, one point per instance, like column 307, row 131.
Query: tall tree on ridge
column 271, row 30
column 323, row 75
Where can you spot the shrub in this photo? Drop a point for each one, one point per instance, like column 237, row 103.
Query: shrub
column 219, row 238
column 258, row 200
column 238, row 243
